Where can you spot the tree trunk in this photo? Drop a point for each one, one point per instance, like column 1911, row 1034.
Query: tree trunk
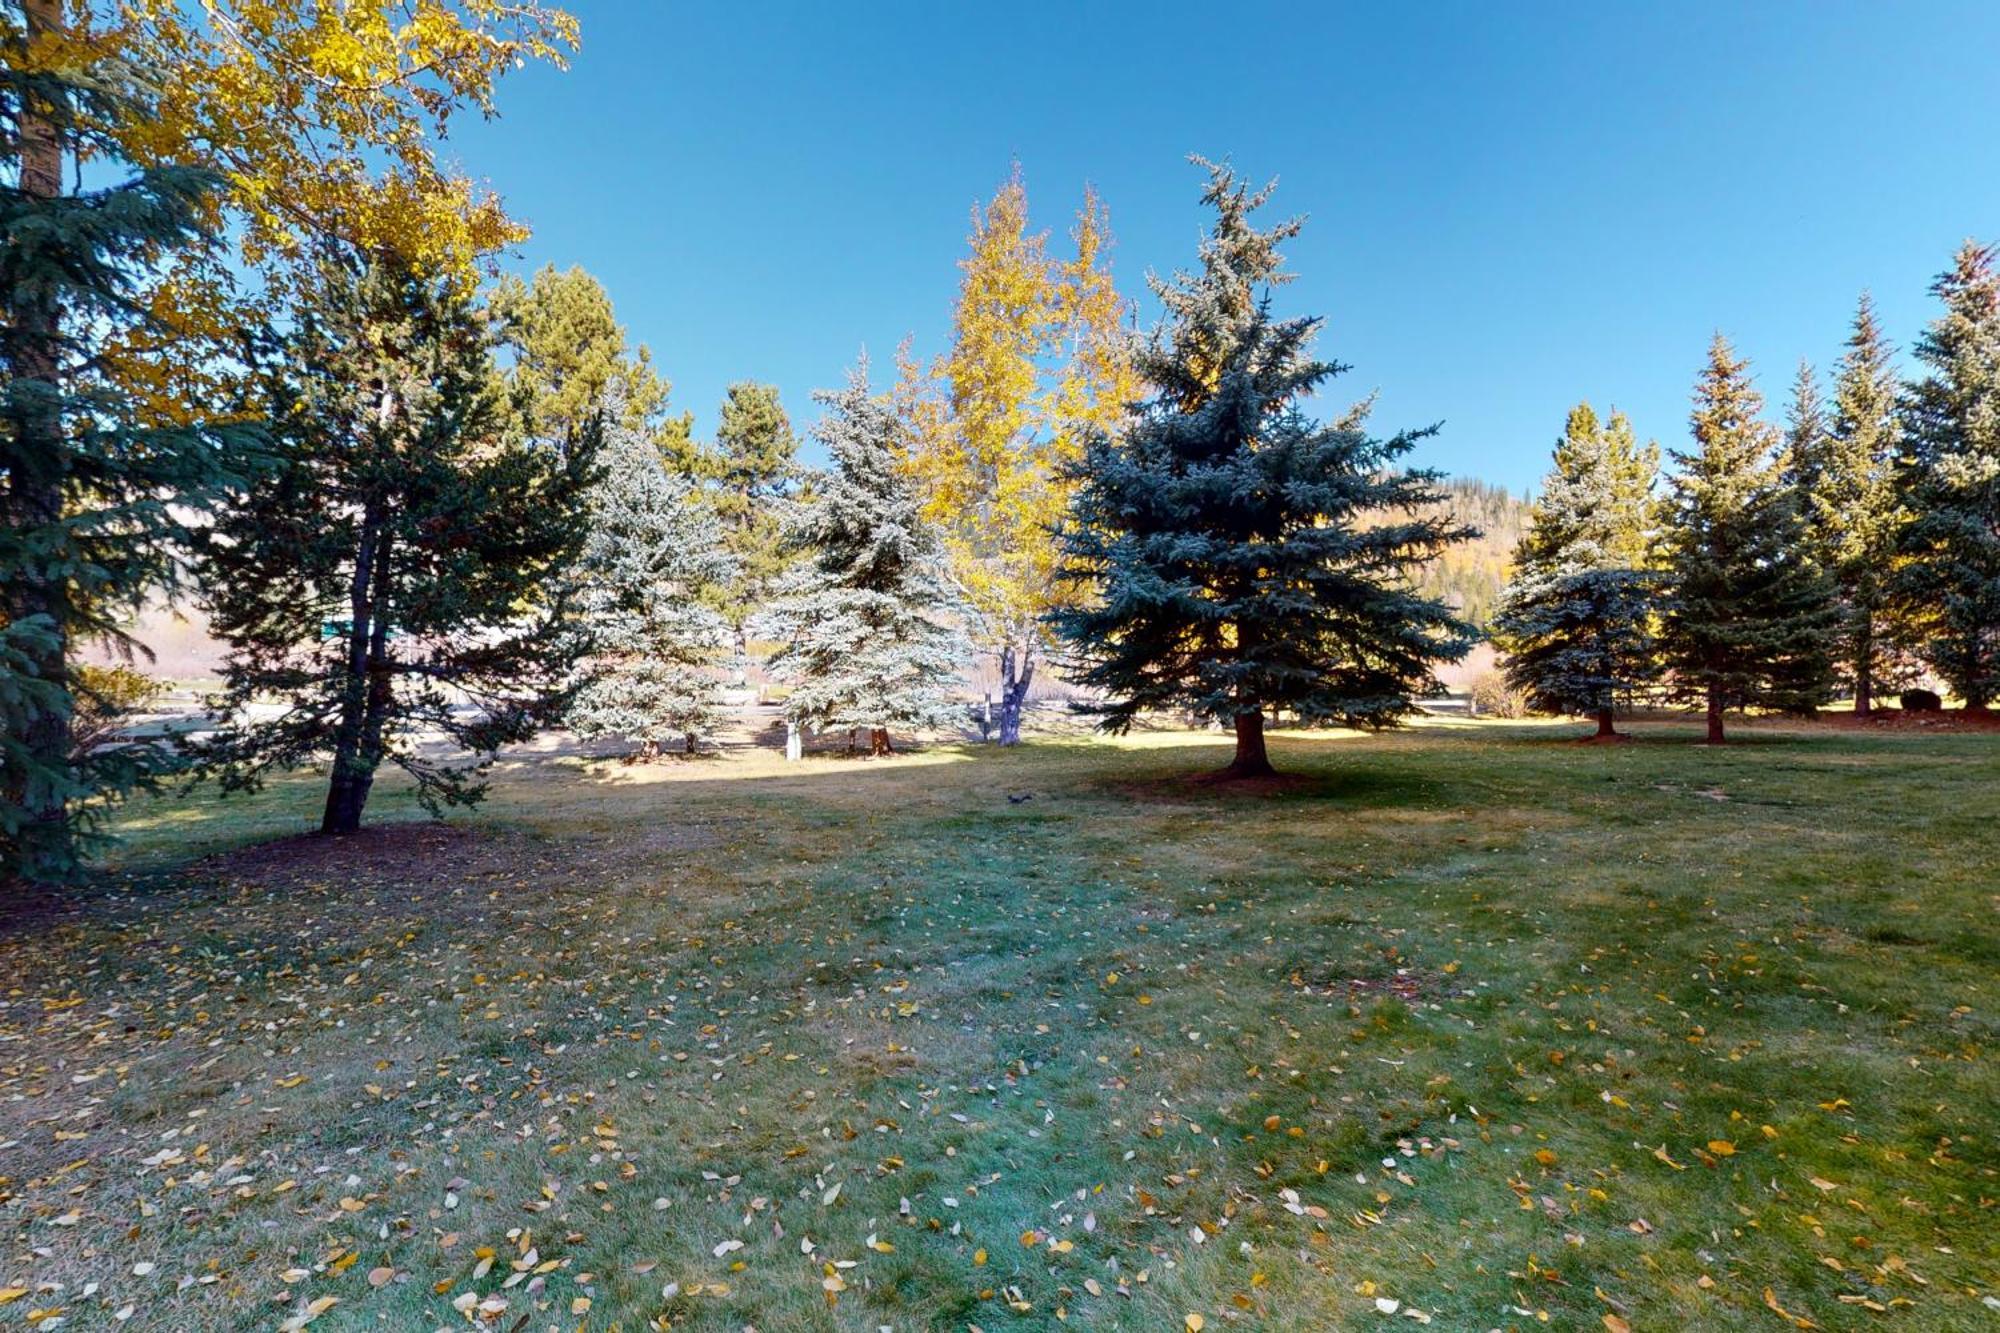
column 346, row 798
column 878, row 741
column 353, row 774
column 1715, row 736
column 1864, row 669
column 1605, row 717
column 34, row 499
column 1016, row 673
column 1251, row 761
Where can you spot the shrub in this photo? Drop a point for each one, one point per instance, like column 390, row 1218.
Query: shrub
column 1921, row 701
column 106, row 697
column 1493, row 697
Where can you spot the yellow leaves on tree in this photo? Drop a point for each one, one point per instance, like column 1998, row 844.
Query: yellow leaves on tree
column 1038, row 360
column 323, row 119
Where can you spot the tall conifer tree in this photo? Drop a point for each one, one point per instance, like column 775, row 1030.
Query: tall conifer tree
column 641, row 597
column 1237, row 558
column 1575, row 621
column 397, row 564
column 1854, row 512
column 866, row 615
column 1950, row 583
column 97, row 482
column 752, row 471
column 1751, row 613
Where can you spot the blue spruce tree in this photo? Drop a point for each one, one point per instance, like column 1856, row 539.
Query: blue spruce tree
column 1575, row 620
column 866, row 616
column 651, row 559
column 1237, row 557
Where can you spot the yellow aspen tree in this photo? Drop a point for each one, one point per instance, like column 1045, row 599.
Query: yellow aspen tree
column 323, row 120
column 1098, row 384
column 1037, row 361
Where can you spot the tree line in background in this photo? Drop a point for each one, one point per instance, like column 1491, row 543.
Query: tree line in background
column 431, row 512
column 1781, row 568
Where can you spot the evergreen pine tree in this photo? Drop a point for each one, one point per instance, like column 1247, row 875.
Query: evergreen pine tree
column 1806, row 448
column 752, row 471
column 649, row 564
column 1750, row 613
column 391, row 578
column 866, row 615
column 1950, row 484
column 1575, row 622
column 96, row 486
column 1237, row 557
column 568, row 355
column 1854, row 510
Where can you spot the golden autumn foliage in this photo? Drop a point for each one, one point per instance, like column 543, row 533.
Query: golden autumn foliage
column 321, row 123
column 324, row 119
column 1038, row 360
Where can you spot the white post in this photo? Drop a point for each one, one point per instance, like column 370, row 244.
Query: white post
column 795, row 742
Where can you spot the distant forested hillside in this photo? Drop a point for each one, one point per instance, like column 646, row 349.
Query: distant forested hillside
column 1470, row 575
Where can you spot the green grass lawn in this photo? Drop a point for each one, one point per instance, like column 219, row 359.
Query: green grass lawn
column 1473, row 1028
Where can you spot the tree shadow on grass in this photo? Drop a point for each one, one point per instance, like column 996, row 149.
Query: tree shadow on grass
column 613, row 817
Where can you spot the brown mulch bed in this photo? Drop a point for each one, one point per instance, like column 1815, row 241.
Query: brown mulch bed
column 1896, row 719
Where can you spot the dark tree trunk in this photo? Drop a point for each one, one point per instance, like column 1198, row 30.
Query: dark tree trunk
column 34, row 497
column 1864, row 669
column 878, row 741
column 1252, row 760
column 1605, row 718
column 357, row 737
column 1715, row 736
column 1016, row 673
column 346, row 798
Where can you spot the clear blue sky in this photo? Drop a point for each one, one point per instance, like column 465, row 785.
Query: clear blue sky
column 1511, row 207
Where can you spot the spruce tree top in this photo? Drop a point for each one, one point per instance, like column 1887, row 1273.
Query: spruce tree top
column 1954, row 411
column 1236, row 555
column 1594, row 508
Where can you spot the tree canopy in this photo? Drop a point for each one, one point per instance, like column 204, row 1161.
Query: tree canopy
column 1038, row 360
column 395, row 573
column 1233, row 556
